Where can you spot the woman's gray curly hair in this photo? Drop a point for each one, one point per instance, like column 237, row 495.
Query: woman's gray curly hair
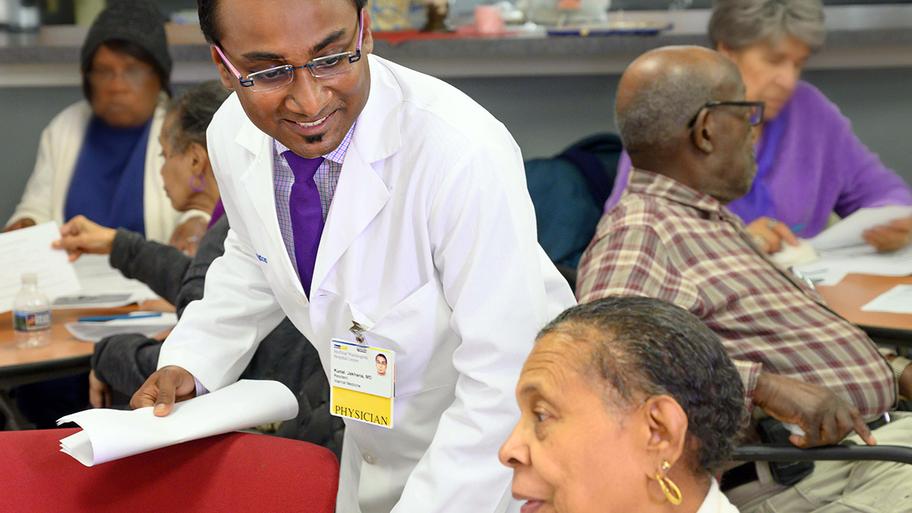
column 741, row 23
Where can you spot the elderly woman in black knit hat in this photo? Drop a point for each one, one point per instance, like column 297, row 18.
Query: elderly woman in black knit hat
column 100, row 157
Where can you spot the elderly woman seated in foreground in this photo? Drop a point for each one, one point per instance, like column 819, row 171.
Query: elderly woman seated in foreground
column 627, row 404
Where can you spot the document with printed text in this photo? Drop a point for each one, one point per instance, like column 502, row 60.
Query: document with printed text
column 29, row 251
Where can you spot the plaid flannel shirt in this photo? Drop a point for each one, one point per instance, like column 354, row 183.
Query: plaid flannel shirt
column 668, row 241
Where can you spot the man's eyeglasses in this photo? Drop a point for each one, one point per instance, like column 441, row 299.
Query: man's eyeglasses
column 281, row 76
column 756, row 110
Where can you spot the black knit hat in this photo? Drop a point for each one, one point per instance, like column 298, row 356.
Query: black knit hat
column 135, row 21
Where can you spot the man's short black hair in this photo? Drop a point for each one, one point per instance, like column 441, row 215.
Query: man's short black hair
column 207, row 18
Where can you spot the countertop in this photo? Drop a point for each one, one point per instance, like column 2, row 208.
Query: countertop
column 874, row 36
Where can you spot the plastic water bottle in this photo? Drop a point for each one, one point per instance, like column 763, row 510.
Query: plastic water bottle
column 31, row 314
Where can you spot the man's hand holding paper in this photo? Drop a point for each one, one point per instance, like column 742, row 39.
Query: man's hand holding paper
column 163, row 388
column 112, row 434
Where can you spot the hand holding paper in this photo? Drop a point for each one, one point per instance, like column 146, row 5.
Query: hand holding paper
column 112, row 434
column 80, row 235
column 890, row 236
column 163, row 388
column 850, row 231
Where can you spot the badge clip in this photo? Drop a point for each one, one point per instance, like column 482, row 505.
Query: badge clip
column 358, row 331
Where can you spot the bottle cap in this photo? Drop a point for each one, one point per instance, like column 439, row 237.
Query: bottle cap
column 29, row 279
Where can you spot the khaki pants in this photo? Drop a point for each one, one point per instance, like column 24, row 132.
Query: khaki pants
column 838, row 486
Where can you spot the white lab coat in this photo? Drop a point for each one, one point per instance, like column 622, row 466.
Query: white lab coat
column 430, row 244
column 61, row 141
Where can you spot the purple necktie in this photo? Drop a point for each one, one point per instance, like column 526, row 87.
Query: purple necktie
column 306, row 214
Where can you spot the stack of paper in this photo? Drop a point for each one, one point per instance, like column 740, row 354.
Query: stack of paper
column 842, row 249
column 833, row 265
column 97, row 277
column 136, row 322
column 113, row 434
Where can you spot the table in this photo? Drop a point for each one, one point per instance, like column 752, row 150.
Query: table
column 854, row 291
column 64, row 356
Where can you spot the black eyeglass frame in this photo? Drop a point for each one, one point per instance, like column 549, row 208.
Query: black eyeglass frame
column 731, row 103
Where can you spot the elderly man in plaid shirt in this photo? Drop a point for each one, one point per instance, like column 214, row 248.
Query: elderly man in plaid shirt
column 683, row 119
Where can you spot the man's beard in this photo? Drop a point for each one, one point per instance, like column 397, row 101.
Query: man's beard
column 313, row 139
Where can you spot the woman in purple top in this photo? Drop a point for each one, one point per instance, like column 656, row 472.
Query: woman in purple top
column 809, row 162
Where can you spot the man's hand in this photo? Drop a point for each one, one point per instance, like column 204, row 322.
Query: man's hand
column 770, row 234
column 162, row 388
column 187, row 235
column 79, row 235
column 905, row 382
column 99, row 392
column 891, row 236
column 25, row 222
column 824, row 416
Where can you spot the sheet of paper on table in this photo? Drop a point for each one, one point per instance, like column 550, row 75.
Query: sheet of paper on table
column 832, row 266
column 103, row 286
column 113, row 434
column 896, row 300
column 147, row 326
column 841, row 248
column 29, row 251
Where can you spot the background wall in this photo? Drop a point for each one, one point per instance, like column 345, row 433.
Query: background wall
column 545, row 114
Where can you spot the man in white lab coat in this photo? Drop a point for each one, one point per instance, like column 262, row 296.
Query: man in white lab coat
column 424, row 248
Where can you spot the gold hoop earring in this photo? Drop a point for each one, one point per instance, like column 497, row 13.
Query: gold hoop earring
column 671, row 490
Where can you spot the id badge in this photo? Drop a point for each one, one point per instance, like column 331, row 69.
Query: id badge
column 362, row 383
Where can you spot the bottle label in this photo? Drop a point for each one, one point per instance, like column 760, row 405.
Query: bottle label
column 31, row 321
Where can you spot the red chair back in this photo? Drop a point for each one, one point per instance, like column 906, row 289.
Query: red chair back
column 236, row 472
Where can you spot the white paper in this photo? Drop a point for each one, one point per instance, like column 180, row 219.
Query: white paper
column 92, row 301
column 896, row 300
column 97, row 277
column 148, row 326
column 848, row 231
column 113, row 434
column 29, row 251
column 833, row 265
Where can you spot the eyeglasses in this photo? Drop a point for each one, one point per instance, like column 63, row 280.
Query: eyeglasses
column 756, row 110
column 134, row 77
column 281, row 76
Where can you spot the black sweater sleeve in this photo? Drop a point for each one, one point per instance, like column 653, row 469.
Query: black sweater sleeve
column 159, row 266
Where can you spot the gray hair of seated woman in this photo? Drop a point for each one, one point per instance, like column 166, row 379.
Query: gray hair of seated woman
column 741, row 23
column 194, row 110
column 642, row 347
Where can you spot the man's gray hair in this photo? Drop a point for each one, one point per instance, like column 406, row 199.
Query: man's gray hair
column 741, row 23
column 661, row 109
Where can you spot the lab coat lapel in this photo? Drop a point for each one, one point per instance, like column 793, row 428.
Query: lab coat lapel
column 257, row 184
column 360, row 195
column 361, row 192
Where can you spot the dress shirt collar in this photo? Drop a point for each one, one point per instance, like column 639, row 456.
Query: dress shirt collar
column 715, row 501
column 337, row 155
column 654, row 184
